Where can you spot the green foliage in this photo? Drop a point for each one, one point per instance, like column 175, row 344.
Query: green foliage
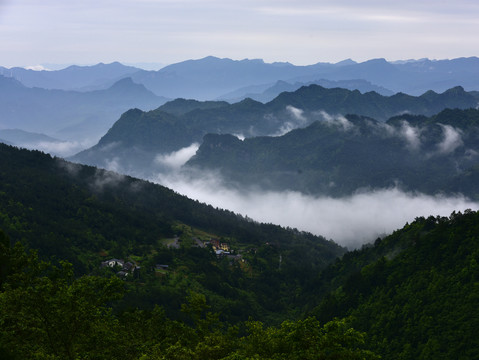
column 86, row 215
column 415, row 292
column 65, row 209
column 304, row 339
column 47, row 313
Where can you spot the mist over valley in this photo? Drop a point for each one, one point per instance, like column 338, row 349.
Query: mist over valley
column 350, row 220
column 303, row 161
column 239, row 180
column 347, row 177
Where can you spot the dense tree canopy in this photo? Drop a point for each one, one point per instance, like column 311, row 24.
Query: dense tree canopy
column 47, row 313
column 411, row 295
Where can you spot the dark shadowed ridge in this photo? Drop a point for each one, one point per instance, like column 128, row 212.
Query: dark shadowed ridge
column 143, row 135
column 340, row 155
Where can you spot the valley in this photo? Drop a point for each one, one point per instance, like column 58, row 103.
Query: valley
column 313, row 222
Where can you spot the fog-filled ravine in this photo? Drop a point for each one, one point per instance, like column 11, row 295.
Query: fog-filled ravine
column 350, row 221
column 351, row 179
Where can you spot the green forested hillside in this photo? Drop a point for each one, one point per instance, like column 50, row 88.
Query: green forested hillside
column 411, row 295
column 47, row 313
column 416, row 292
column 86, row 216
column 340, row 155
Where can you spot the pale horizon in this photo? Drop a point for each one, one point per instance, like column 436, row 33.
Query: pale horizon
column 300, row 32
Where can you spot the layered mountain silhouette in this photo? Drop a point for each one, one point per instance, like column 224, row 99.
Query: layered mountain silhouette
column 138, row 137
column 341, row 155
column 79, row 78
column 211, row 77
column 20, row 137
column 70, row 114
column 267, row 92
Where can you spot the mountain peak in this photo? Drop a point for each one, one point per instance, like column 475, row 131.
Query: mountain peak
column 376, row 61
column 123, row 82
column 127, row 84
column 346, row 62
column 455, row 90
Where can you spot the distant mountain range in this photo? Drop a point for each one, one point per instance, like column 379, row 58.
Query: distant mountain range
column 212, row 78
column 78, row 78
column 17, row 136
column 42, row 142
column 70, row 114
column 267, row 92
column 80, row 103
column 340, row 155
column 138, row 137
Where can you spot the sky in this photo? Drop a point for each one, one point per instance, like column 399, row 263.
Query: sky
column 302, row 32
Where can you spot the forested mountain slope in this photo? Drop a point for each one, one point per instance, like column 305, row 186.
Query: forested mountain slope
column 86, row 216
column 138, row 137
column 415, row 292
column 339, row 155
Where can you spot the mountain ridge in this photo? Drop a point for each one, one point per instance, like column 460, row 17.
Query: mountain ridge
column 248, row 118
column 211, row 77
column 55, row 111
column 337, row 156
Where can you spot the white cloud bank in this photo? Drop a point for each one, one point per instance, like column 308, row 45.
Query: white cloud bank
column 350, row 221
column 176, row 159
column 59, row 148
column 451, row 141
column 336, row 120
column 297, row 119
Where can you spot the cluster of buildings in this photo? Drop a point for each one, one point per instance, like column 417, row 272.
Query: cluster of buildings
column 219, row 248
column 127, row 268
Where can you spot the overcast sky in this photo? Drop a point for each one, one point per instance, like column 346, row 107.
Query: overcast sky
column 302, row 32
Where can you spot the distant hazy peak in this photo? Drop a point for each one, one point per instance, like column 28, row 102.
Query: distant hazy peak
column 376, row 61
column 125, row 83
column 346, row 62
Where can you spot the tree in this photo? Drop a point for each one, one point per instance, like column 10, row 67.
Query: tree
column 302, row 340
column 47, row 313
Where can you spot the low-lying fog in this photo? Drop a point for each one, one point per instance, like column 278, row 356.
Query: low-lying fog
column 350, row 221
